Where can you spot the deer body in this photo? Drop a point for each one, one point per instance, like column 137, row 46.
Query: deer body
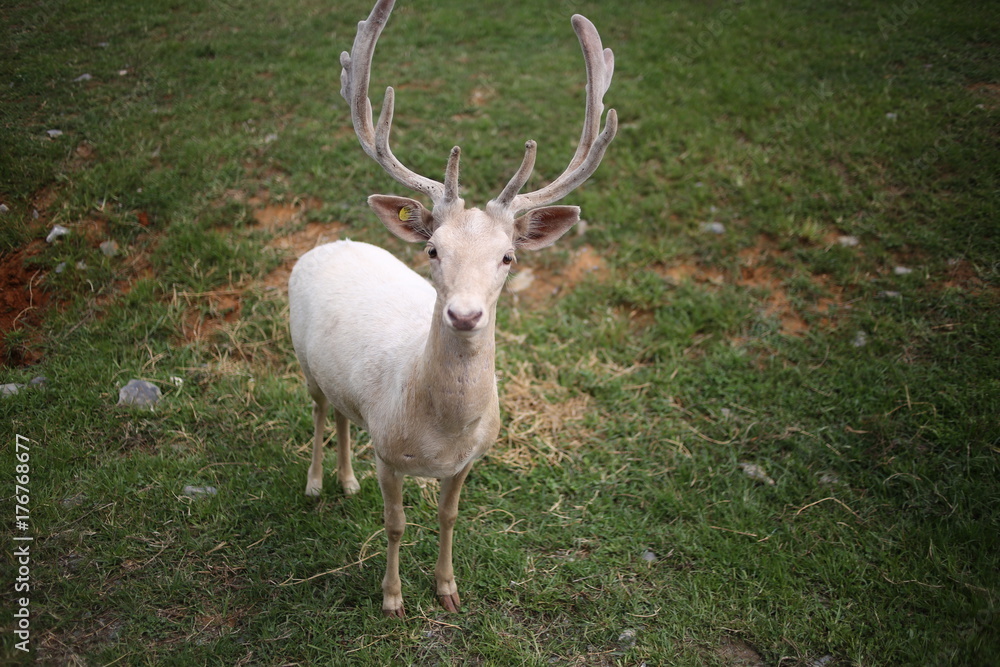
column 382, row 359
column 410, row 361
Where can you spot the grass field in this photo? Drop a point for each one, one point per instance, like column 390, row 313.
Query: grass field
column 775, row 445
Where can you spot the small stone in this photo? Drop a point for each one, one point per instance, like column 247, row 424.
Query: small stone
column 109, row 248
column 61, row 267
column 521, row 281
column 902, row 270
column 756, row 473
column 713, row 227
column 139, row 393
column 892, row 115
column 3, row 208
column 848, row 241
column 626, row 639
column 55, row 233
column 860, row 339
column 54, row 134
column 81, row 265
column 889, row 294
column 39, row 381
column 195, row 491
column 10, row 389
column 649, row 556
column 83, row 77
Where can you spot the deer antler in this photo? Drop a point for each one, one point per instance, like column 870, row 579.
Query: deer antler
column 354, row 80
column 600, row 64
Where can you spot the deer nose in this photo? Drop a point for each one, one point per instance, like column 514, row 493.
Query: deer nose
column 464, row 321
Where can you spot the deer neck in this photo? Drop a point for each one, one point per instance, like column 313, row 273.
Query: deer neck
column 456, row 376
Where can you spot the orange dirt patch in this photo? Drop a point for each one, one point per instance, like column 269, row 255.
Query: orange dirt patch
column 208, row 312
column 294, row 245
column 758, row 274
column 280, row 214
column 23, row 301
column 536, row 285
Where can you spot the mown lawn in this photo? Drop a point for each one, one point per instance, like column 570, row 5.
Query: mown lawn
column 751, row 409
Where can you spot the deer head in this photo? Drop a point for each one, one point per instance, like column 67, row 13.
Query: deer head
column 471, row 249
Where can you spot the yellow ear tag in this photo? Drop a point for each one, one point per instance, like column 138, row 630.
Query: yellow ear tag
column 404, row 214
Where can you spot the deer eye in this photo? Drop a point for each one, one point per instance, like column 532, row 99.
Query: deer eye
column 508, row 258
column 432, row 252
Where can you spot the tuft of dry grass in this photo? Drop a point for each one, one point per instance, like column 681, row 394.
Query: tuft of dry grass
column 544, row 419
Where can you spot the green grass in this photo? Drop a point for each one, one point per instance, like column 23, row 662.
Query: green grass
column 790, row 123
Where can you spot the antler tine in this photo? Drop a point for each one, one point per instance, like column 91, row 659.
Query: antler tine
column 354, row 81
column 451, row 176
column 520, row 178
column 600, row 63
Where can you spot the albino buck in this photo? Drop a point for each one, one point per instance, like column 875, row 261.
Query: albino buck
column 410, row 361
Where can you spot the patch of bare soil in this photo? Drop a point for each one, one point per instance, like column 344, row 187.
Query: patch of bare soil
column 734, row 652
column 989, row 92
column 758, row 272
column 23, row 300
column 535, row 285
column 209, row 312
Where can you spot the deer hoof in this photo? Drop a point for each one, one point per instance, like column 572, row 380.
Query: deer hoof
column 450, row 602
column 394, row 613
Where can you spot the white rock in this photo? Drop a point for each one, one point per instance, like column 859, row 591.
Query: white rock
column 713, row 227
column 756, row 473
column 195, row 491
column 902, row 270
column 83, row 77
column 53, row 133
column 55, row 233
column 109, row 248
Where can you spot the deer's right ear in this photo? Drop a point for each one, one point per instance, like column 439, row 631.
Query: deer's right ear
column 406, row 218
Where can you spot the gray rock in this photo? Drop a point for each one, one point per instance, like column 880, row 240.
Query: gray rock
column 10, row 389
column 195, row 491
column 139, row 393
column 713, row 227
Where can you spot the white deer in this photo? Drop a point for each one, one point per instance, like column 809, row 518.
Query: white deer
column 410, row 361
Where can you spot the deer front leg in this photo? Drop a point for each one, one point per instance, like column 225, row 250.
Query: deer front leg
column 395, row 523
column 345, row 472
column 444, row 573
column 314, row 478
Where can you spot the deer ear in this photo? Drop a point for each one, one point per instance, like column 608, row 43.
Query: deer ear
column 404, row 217
column 543, row 226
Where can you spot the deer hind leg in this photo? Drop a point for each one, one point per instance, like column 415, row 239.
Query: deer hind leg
column 395, row 524
column 314, row 478
column 444, row 573
column 345, row 472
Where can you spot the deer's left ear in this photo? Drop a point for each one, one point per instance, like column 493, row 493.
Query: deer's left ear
column 406, row 218
column 543, row 226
